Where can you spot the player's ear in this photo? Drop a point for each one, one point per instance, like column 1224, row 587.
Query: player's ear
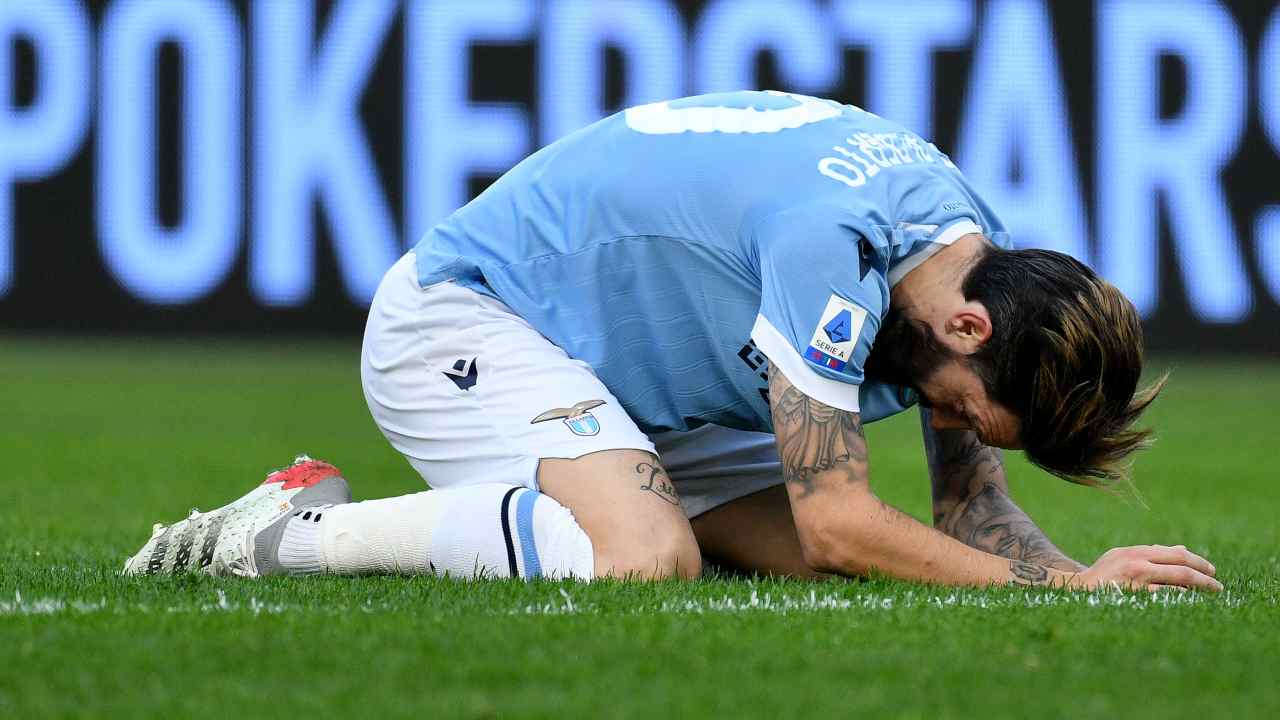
column 970, row 326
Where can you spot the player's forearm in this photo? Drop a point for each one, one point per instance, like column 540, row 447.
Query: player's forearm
column 990, row 521
column 971, row 501
column 844, row 528
column 867, row 535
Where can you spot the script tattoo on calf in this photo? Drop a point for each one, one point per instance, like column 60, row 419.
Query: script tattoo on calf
column 658, row 482
column 814, row 437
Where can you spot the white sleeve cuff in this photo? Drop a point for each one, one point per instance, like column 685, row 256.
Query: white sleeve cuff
column 945, row 236
column 780, row 352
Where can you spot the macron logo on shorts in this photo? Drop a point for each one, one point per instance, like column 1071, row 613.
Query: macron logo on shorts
column 463, row 374
column 832, row 343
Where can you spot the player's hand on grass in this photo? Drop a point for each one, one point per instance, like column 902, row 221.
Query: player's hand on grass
column 1152, row 567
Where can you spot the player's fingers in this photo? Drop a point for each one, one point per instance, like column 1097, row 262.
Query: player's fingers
column 1157, row 587
column 1181, row 575
column 1180, row 555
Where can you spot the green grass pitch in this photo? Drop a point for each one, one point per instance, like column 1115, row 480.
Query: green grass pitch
column 101, row 438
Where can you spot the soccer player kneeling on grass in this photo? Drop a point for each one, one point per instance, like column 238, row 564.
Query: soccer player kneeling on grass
column 659, row 338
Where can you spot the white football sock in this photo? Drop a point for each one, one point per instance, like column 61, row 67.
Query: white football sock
column 467, row 532
column 300, row 546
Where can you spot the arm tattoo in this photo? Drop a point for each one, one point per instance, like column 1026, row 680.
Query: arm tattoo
column 989, row 521
column 971, row 501
column 657, row 482
column 813, row 437
column 1025, row 573
column 958, row 465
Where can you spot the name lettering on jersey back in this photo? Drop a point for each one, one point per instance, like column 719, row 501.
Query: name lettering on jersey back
column 863, row 155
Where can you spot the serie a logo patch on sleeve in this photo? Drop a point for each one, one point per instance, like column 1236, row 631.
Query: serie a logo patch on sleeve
column 832, row 343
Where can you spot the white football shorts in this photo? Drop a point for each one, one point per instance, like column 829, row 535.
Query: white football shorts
column 469, row 392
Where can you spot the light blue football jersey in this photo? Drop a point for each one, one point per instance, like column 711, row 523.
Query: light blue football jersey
column 676, row 247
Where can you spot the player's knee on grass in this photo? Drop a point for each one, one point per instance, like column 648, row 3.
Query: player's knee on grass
column 670, row 552
column 628, row 506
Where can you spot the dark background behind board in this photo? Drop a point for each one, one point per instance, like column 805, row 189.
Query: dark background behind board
column 1212, row 283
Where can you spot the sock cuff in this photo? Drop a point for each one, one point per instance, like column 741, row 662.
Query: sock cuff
column 299, row 551
column 563, row 546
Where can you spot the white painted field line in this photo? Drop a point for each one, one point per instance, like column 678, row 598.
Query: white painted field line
column 813, row 602
column 754, row 600
column 60, row 606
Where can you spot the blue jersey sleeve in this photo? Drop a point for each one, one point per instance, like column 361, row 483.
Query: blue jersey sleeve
column 823, row 293
column 937, row 212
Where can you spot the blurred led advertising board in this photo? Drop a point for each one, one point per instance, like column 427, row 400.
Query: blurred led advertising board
column 203, row 165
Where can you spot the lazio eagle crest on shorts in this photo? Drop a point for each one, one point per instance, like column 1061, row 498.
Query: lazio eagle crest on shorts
column 577, row 418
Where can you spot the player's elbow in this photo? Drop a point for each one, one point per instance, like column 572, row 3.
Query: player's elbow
column 839, row 538
column 819, row 551
column 833, row 546
column 835, row 555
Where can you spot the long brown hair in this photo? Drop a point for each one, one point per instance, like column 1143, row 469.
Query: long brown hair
column 1065, row 355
